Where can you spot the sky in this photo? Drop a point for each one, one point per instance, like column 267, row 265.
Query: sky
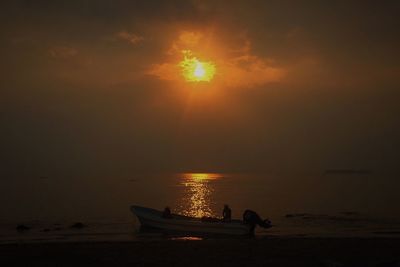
column 91, row 88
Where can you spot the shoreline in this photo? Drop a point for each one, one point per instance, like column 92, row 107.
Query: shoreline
column 273, row 251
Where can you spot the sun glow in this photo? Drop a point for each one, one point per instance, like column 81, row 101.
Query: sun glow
column 194, row 70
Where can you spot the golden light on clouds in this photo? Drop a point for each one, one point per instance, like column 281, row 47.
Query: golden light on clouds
column 209, row 57
column 194, row 70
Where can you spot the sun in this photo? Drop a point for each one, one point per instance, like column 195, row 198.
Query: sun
column 194, row 70
column 199, row 71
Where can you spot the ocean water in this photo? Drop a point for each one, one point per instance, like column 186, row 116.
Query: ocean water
column 353, row 205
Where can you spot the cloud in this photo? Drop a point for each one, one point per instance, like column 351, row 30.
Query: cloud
column 62, row 52
column 250, row 70
column 164, row 71
column 132, row 38
column 236, row 65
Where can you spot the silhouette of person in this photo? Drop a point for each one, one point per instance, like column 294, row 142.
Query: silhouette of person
column 226, row 214
column 167, row 213
column 252, row 218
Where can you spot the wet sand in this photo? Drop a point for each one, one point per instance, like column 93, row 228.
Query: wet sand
column 221, row 252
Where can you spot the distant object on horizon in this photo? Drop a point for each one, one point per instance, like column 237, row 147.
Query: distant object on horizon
column 22, row 228
column 347, row 171
column 78, row 225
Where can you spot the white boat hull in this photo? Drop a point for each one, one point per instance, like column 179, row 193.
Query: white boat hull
column 153, row 218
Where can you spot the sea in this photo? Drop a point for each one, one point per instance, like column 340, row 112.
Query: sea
column 326, row 204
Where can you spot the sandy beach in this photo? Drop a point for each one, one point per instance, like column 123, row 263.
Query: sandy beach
column 217, row 252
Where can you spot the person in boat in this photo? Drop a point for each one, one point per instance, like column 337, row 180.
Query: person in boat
column 226, row 214
column 167, row 213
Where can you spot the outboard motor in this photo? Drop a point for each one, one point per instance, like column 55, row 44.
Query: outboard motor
column 252, row 218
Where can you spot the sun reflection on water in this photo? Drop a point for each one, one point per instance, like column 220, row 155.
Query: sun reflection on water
column 197, row 200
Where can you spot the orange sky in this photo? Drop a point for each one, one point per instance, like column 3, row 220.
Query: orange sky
column 297, row 86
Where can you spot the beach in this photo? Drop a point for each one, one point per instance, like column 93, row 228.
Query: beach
column 211, row 252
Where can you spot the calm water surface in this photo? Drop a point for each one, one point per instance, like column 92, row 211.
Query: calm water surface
column 298, row 206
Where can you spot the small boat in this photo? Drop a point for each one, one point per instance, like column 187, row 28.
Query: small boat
column 151, row 218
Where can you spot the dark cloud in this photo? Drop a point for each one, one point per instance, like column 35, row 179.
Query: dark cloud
column 62, row 52
column 104, row 10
